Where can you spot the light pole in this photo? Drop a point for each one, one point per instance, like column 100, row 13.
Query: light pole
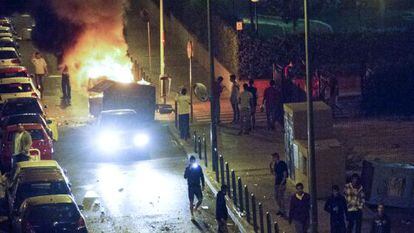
column 145, row 17
column 311, row 142
column 162, row 39
column 256, row 17
column 190, row 59
column 213, row 100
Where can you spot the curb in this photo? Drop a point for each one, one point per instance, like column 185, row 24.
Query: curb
column 241, row 223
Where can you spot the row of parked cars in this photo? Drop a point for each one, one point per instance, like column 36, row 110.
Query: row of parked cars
column 38, row 192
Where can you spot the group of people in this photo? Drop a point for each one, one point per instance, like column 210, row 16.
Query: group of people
column 342, row 208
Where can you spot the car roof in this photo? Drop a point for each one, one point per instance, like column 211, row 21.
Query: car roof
column 7, row 48
column 118, row 112
column 41, row 176
column 8, row 39
column 49, row 199
column 37, row 164
column 16, row 80
column 26, row 126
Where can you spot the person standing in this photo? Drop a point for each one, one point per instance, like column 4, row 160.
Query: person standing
column 221, row 210
column 234, row 98
column 245, row 101
column 194, row 175
column 217, row 90
column 355, row 200
column 270, row 101
column 66, row 90
column 279, row 169
column 299, row 209
column 336, row 207
column 252, row 89
column 41, row 71
column 183, row 104
column 22, row 142
column 381, row 223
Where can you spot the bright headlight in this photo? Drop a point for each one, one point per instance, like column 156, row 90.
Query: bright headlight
column 108, row 141
column 141, row 140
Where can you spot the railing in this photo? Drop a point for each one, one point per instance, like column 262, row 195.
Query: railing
column 243, row 200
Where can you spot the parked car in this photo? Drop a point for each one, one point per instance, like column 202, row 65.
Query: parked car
column 48, row 124
column 13, row 71
column 23, row 105
column 51, row 213
column 4, row 29
column 9, row 42
column 40, row 141
column 9, row 56
column 33, row 184
column 17, row 88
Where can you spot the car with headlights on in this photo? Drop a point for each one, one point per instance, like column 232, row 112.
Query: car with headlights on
column 121, row 132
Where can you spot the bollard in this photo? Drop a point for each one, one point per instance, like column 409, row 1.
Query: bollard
column 276, row 227
column 222, row 169
column 195, row 141
column 268, row 223
column 233, row 186
column 199, row 147
column 205, row 150
column 228, row 180
column 239, row 184
column 217, row 165
column 246, row 202
column 213, row 159
column 175, row 115
column 261, row 218
column 254, row 213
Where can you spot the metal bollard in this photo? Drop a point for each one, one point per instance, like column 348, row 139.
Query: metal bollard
column 199, row 147
column 255, row 227
column 175, row 115
column 239, row 184
column 222, row 169
column 261, row 218
column 246, row 202
column 213, row 159
column 233, row 186
column 195, row 141
column 268, row 223
column 205, row 150
column 217, row 165
column 228, row 179
column 276, row 227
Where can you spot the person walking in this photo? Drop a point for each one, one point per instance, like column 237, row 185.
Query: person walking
column 336, row 207
column 381, row 223
column 194, row 175
column 245, row 101
column 299, row 209
column 183, row 104
column 217, row 90
column 22, row 142
column 270, row 101
column 355, row 200
column 252, row 89
column 279, row 169
column 221, row 210
column 41, row 71
column 66, row 90
column 234, row 98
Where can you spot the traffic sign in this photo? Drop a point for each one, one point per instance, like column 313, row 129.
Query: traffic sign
column 239, row 25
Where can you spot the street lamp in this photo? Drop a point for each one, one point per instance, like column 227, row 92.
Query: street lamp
column 145, row 17
column 256, row 17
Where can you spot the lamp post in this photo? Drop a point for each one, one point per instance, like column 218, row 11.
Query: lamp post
column 311, row 142
column 145, row 17
column 256, row 17
column 213, row 100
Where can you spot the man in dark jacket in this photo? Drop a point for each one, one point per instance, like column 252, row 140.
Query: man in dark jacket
column 336, row 207
column 299, row 209
column 381, row 222
column 221, row 210
column 194, row 174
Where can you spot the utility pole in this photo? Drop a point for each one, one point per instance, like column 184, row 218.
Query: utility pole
column 162, row 39
column 213, row 100
column 149, row 48
column 311, row 141
column 190, row 59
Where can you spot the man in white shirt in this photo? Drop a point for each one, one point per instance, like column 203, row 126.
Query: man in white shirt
column 183, row 104
column 21, row 146
column 245, row 100
column 40, row 66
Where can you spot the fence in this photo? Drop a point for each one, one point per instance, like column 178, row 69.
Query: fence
column 245, row 201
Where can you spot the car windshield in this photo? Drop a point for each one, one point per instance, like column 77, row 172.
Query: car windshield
column 8, row 54
column 20, row 108
column 118, row 121
column 28, row 190
column 15, row 88
column 14, row 120
column 13, row 74
column 61, row 212
column 37, row 134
